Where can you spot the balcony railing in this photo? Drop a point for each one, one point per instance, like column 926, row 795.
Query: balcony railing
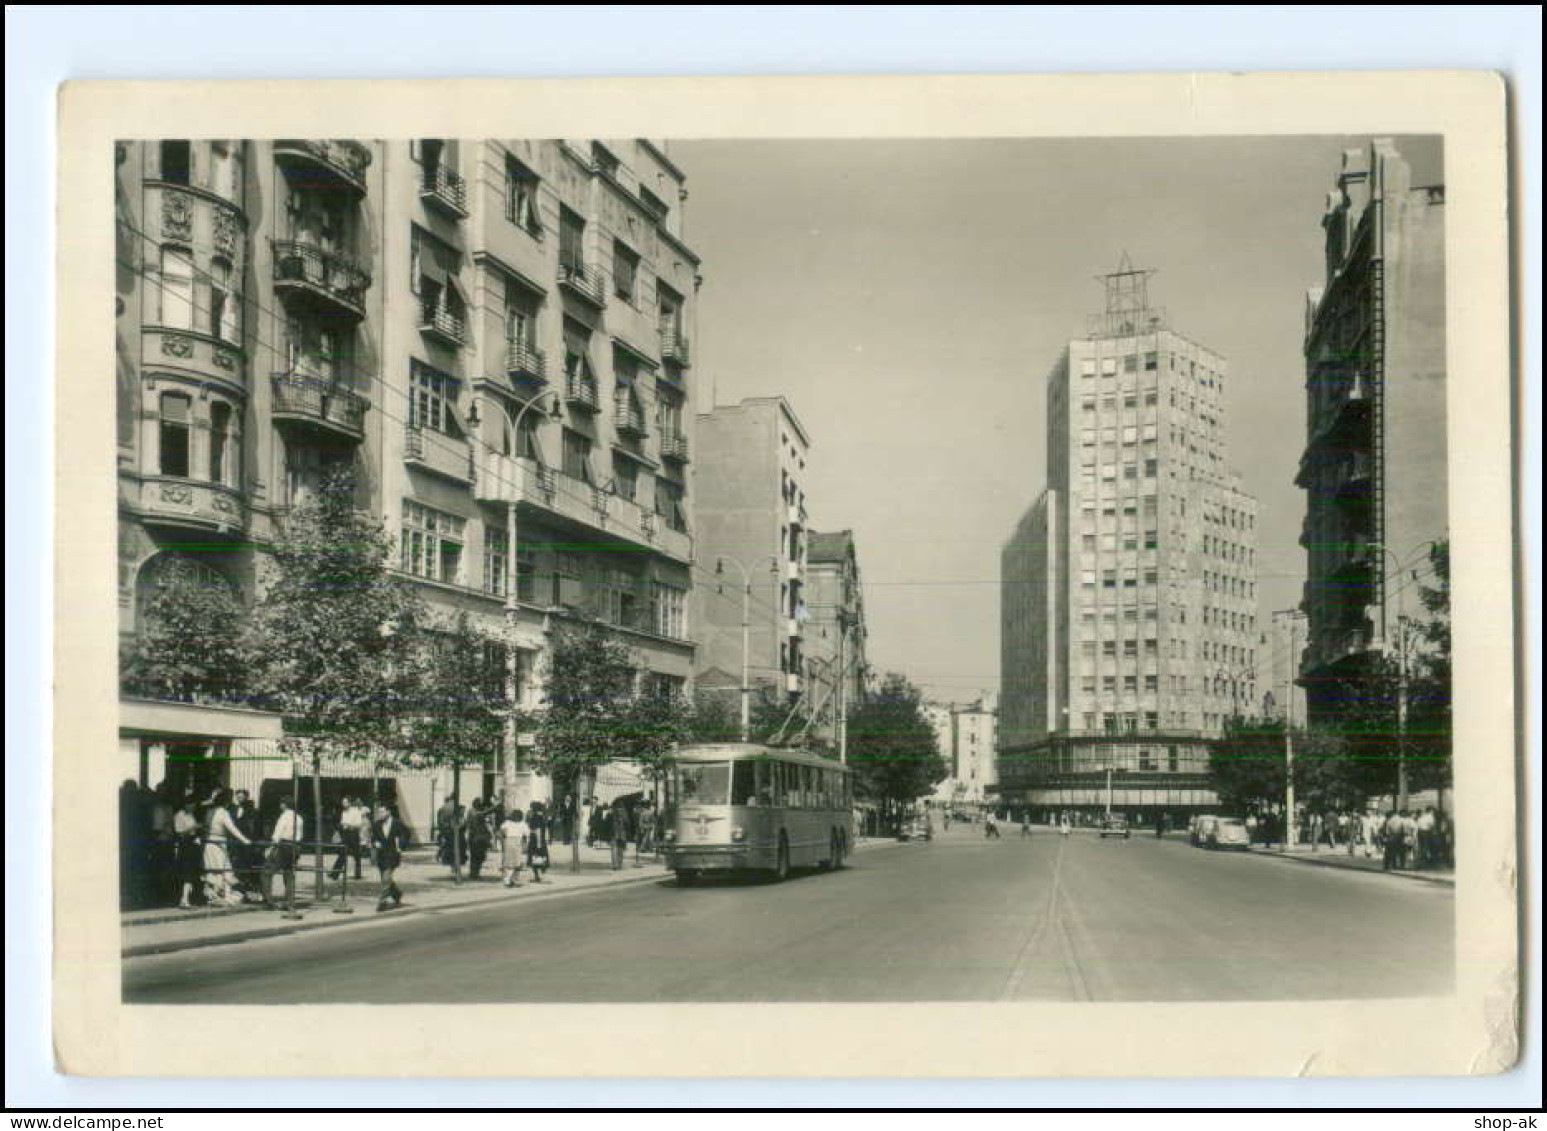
column 628, row 420
column 674, row 447
column 581, row 393
column 332, row 277
column 584, row 281
column 444, row 325
column 446, row 190
column 193, row 504
column 320, row 402
column 674, row 347
column 438, row 452
column 525, row 362
column 342, row 160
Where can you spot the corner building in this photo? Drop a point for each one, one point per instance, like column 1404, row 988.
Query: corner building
column 1374, row 467
column 495, row 335
column 1129, row 616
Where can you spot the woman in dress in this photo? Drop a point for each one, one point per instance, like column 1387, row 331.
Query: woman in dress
column 513, row 836
column 220, row 831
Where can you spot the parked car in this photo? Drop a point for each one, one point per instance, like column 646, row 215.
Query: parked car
column 1203, row 828
column 1115, row 826
column 914, row 828
column 1230, row 832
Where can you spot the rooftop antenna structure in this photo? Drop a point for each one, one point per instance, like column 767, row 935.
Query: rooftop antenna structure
column 1128, row 311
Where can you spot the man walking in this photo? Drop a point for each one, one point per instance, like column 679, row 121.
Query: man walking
column 282, row 856
column 476, row 834
column 618, row 833
column 389, row 838
column 351, row 824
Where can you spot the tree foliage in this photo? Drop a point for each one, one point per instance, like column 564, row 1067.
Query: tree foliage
column 189, row 644
column 334, row 636
column 458, row 712
column 892, row 747
column 1247, row 768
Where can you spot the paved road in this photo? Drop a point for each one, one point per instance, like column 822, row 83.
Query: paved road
column 960, row 919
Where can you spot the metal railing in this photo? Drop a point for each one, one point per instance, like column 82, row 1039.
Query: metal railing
column 320, row 399
column 585, row 281
column 328, row 271
column 446, row 188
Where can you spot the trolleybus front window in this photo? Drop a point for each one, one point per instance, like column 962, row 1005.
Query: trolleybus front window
column 744, row 784
column 703, row 783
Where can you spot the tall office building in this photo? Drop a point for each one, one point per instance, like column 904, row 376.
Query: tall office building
column 1374, row 466
column 1129, row 623
column 494, row 335
column 752, row 529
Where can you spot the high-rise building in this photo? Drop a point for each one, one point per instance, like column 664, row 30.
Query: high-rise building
column 752, row 533
column 1374, row 466
column 1129, row 623
column 493, row 335
column 835, row 631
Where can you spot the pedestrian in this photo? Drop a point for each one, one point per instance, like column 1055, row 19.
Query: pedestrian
column 351, row 830
column 1369, row 832
column 646, row 841
column 284, row 852
column 220, row 831
column 1025, row 823
column 247, row 859
column 514, row 832
column 188, row 851
column 1391, row 838
column 388, row 838
column 592, row 815
column 618, row 833
column 537, row 841
column 476, row 834
column 161, row 860
column 1063, row 825
column 445, row 831
column 1426, row 853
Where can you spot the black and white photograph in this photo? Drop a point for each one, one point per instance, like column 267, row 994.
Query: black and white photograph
column 796, row 569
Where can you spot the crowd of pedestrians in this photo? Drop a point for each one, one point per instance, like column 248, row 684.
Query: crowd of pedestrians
column 1406, row 839
column 465, row 836
column 180, row 848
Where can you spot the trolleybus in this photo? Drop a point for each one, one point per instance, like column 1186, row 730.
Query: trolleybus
column 747, row 807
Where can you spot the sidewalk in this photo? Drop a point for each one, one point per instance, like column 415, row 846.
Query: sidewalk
column 1339, row 858
column 426, row 885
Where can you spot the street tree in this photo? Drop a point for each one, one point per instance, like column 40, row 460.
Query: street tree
column 595, row 711
column 332, row 639
column 1429, row 686
column 458, row 708
column 892, row 747
column 1246, row 765
column 189, row 643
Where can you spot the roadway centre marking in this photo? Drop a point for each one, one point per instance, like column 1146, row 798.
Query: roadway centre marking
column 1023, row 960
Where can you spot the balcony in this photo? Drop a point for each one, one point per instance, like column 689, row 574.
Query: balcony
column 791, row 626
column 629, row 420
column 674, row 348
column 525, row 363
column 193, row 505
column 794, row 514
column 585, row 282
column 793, row 573
column 1357, row 568
column 438, row 453
column 445, row 190
column 341, row 162
column 319, row 403
column 1356, row 479
column 323, row 277
column 581, row 393
column 792, row 683
column 674, row 446
column 444, row 326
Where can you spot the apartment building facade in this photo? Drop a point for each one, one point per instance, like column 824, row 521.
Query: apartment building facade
column 493, row 335
column 835, row 631
column 1374, row 467
column 1128, row 622
column 967, row 737
column 752, row 540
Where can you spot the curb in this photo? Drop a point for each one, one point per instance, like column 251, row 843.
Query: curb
column 1419, row 876
column 172, row 946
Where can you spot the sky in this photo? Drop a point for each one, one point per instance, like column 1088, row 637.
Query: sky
column 909, row 298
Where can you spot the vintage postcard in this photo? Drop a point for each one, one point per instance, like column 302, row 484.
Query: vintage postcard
column 997, row 576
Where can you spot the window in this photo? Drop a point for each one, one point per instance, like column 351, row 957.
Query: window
column 496, row 559
column 520, row 317
column 223, row 307
column 620, row 598
column 224, row 449
column 571, row 241
column 668, row 608
column 176, row 288
column 1131, row 363
column 176, row 412
column 1146, row 758
column 176, row 162
column 625, row 478
column 431, row 543
column 625, row 266
column 1087, row 367
column 521, row 196
column 668, row 504
column 577, row 353
column 225, row 170
column 431, row 398
column 577, row 456
column 1151, row 468
column 1108, row 366
column 1151, row 361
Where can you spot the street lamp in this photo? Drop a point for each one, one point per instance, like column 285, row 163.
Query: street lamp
column 746, row 632
column 512, row 604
